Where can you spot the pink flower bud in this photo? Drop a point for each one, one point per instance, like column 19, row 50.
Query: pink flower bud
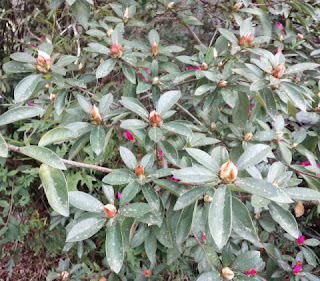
column 279, row 71
column 198, row 67
column 245, row 40
column 251, row 272
column 65, row 275
column 301, row 240
column 129, row 135
column 278, row 50
column 227, row 273
column 174, row 179
column 297, row 267
column 190, row 68
column 119, row 196
column 160, row 153
column 95, row 113
column 204, row 236
column 30, row 104
column 110, row 210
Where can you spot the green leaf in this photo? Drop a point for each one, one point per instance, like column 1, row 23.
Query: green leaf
column 185, row 223
column 97, row 138
column 259, row 84
column 150, row 245
column 135, row 106
column 285, row 152
column 65, row 60
column 246, row 261
column 170, row 153
column 155, row 134
column 56, row 189
column 114, row 247
column 43, row 155
column 204, row 88
column 56, row 135
column 294, row 95
column 26, row 87
column 133, row 124
column 85, row 202
column 190, row 196
column 263, row 189
column 242, row 223
column 241, row 110
column 166, row 101
column 219, row 217
column 299, row 193
column 163, row 235
column 23, row 57
column 204, row 159
column 129, row 72
column 119, row 176
column 81, row 10
column 195, row 174
column 129, row 192
column 99, row 48
column 172, row 186
column 191, row 20
column 253, row 155
column 300, row 67
column 135, row 210
column 18, row 67
column 85, row 226
column 285, row 219
column 212, row 256
column 228, row 35
column 178, row 128
column 19, row 113
column 3, row 147
column 153, row 36
column 128, row 158
column 105, row 68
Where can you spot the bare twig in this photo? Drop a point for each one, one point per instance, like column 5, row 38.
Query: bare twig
column 195, row 36
column 214, row 35
column 189, row 113
column 11, row 202
column 200, row 244
column 71, row 163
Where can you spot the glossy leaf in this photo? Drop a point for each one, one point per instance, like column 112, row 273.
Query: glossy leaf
column 56, row 135
column 85, row 202
column 19, row 113
column 26, row 87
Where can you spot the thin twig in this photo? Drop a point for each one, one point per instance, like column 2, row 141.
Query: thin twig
column 214, row 35
column 195, row 36
column 189, row 113
column 200, row 244
column 71, row 163
column 11, row 202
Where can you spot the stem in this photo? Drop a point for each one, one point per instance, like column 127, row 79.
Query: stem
column 69, row 162
column 185, row 110
column 195, row 236
column 193, row 34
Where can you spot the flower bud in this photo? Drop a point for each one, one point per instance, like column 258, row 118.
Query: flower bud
column 52, row 97
column 169, row 6
column 80, row 66
column 126, row 15
column 301, row 240
column 257, row 216
column 220, row 107
column 139, row 170
column 220, row 64
column 274, row 87
column 250, row 113
column 109, row 32
column 110, row 210
column 278, row 50
column 129, row 135
column 222, row 84
column 207, row 198
column 215, row 52
column 251, row 272
column 245, row 40
column 275, row 183
column 95, row 113
column 204, row 66
column 248, row 136
column 227, row 273
column 147, row 272
column 237, row 6
column 139, row 155
column 65, row 275
column 116, row 49
column 213, row 125
column 43, row 58
column 297, row 80
column 280, row 37
column 279, row 71
column 297, row 267
column 299, row 209
column 299, row 37
column 154, row 118
column 228, row 172
column 154, row 48
column 102, row 278
column 156, row 81
column 204, row 236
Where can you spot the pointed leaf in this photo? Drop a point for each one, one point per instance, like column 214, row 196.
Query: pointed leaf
column 19, row 113
column 26, row 87
column 203, row 158
column 166, row 101
column 84, row 201
column 97, row 138
column 105, row 68
column 3, row 147
column 253, row 155
column 56, row 135
column 128, row 158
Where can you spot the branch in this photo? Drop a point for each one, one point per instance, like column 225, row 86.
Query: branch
column 195, row 236
column 69, row 162
column 189, row 113
column 193, row 34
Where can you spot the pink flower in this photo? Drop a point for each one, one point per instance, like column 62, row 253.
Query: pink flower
column 33, row 45
column 129, row 135
column 297, row 267
column 307, row 163
column 245, row 54
column 251, row 272
column 252, row 106
column 190, row 68
column 259, row 58
column 204, row 236
column 198, row 67
column 30, row 104
column 280, row 26
column 160, row 153
column 301, row 240
column 174, row 179
column 278, row 50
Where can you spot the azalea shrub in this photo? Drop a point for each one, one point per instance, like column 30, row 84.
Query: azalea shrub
column 174, row 135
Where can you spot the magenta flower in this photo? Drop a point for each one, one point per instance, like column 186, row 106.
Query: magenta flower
column 191, row 68
column 33, row 45
column 278, row 50
column 259, row 57
column 252, row 106
column 280, row 26
column 204, row 236
column 251, row 272
column 301, row 240
column 160, row 153
column 30, row 104
column 297, row 267
column 307, row 163
column 129, row 135
column 174, row 179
